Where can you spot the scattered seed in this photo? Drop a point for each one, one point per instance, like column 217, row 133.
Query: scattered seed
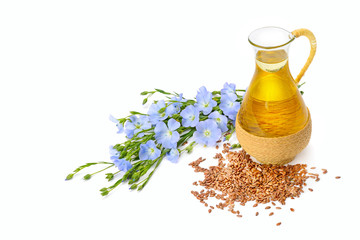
column 291, row 209
column 239, row 216
column 310, row 189
column 313, row 168
column 324, row 171
column 278, row 224
column 209, row 210
column 337, row 177
column 237, row 179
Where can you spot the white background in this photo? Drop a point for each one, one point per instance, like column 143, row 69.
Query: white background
column 66, row 65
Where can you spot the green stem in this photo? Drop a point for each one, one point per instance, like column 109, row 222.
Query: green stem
column 102, row 169
column 185, row 137
column 152, row 172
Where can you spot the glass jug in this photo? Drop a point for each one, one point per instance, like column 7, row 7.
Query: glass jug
column 273, row 105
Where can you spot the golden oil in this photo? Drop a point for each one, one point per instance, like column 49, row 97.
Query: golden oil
column 273, row 106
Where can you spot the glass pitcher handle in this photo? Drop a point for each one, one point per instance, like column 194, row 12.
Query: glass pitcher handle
column 307, row 33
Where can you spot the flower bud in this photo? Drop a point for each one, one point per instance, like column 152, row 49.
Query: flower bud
column 162, row 110
column 104, row 193
column 144, row 93
column 87, row 177
column 70, row 176
column 109, row 176
column 140, row 187
column 236, row 145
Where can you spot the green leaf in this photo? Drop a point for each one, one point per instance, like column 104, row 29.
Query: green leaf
column 136, row 113
column 299, row 86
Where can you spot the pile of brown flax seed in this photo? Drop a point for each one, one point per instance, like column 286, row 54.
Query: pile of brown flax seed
column 242, row 180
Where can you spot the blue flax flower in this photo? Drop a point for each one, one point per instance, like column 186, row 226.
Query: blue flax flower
column 174, row 105
column 207, row 133
column 229, row 105
column 190, row 116
column 119, row 125
column 122, row 164
column 173, row 155
column 149, row 151
column 113, row 152
column 166, row 135
column 205, row 103
column 155, row 112
column 220, row 120
column 137, row 124
column 229, row 88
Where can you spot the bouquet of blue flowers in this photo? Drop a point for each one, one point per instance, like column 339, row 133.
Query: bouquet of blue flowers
column 170, row 128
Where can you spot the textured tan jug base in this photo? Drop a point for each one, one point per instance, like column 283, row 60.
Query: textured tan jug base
column 277, row 150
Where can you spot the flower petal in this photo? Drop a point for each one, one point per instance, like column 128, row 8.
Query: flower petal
column 173, row 124
column 160, row 128
column 113, row 119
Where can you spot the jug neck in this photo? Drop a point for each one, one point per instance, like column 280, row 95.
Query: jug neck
column 271, row 60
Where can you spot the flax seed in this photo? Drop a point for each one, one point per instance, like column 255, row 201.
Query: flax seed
column 271, row 214
column 237, row 179
column 278, row 224
column 337, row 177
column 291, row 209
column 310, row 189
column 209, row 210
